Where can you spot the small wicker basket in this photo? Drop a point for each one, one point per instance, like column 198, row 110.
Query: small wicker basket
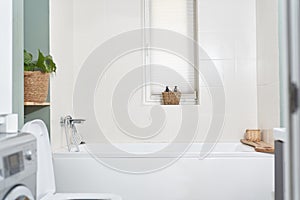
column 171, row 98
column 36, row 86
column 253, row 135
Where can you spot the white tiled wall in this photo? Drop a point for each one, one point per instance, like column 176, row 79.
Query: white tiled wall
column 6, row 41
column 62, row 49
column 227, row 32
column 268, row 65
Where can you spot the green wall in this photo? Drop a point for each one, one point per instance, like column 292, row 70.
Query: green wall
column 18, row 46
column 36, row 25
column 36, row 36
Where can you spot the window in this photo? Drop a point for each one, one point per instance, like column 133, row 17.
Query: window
column 179, row 16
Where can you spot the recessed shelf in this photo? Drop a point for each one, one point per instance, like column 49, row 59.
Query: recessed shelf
column 36, row 104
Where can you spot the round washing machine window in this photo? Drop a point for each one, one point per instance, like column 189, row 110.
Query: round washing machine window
column 19, row 193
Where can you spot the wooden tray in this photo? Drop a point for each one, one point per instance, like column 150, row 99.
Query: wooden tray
column 259, row 146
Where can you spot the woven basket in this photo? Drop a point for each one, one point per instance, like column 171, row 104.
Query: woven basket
column 253, row 135
column 171, row 98
column 36, row 86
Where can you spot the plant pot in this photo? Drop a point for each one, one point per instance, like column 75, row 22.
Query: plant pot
column 36, row 86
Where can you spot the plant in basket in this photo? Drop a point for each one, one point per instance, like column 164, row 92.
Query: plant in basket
column 36, row 76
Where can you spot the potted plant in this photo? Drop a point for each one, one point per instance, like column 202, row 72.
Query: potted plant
column 36, row 76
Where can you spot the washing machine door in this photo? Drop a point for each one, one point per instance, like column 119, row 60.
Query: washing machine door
column 19, row 193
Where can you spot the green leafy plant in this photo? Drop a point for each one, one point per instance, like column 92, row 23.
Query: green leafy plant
column 43, row 63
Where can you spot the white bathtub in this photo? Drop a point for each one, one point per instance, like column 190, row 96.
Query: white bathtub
column 232, row 171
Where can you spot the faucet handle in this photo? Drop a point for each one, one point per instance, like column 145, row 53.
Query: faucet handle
column 77, row 121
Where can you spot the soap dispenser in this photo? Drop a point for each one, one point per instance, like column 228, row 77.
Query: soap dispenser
column 175, row 89
column 167, row 89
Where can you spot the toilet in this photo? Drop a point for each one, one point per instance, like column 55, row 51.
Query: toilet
column 46, row 189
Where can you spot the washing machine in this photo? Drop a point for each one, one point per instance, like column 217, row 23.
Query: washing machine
column 18, row 166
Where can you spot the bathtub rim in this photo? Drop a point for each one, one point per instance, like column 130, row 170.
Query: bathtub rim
column 241, row 151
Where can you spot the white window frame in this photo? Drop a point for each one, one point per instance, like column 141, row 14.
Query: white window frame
column 149, row 97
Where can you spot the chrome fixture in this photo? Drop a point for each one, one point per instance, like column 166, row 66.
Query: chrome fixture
column 73, row 138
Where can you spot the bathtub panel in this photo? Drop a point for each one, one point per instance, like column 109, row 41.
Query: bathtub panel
column 214, row 178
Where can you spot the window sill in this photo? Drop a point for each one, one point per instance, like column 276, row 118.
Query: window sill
column 186, row 99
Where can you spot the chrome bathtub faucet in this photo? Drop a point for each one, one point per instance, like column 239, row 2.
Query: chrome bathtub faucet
column 74, row 138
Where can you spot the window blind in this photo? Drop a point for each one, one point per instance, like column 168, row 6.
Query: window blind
column 178, row 16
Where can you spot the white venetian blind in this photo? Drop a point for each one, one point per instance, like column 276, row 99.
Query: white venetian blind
column 178, row 16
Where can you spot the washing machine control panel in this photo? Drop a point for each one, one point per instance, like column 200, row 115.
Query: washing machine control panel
column 13, row 164
column 18, row 158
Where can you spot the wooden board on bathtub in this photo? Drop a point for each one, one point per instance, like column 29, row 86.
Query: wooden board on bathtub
column 259, row 146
